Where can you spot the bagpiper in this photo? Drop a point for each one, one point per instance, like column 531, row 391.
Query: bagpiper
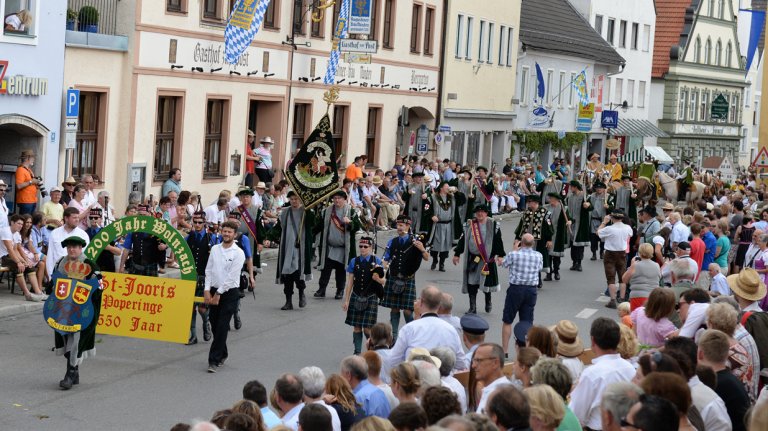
column 402, row 259
column 536, row 221
column 365, row 279
column 560, row 224
column 337, row 242
column 442, row 217
column 482, row 244
column 579, row 232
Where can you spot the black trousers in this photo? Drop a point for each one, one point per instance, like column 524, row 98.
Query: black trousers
column 577, row 253
column 594, row 241
column 325, row 274
column 220, row 315
column 554, row 263
column 290, row 280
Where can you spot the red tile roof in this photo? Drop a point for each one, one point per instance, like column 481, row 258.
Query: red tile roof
column 712, row 162
column 670, row 18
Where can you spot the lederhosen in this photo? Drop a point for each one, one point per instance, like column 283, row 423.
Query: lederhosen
column 363, row 303
column 144, row 254
column 400, row 290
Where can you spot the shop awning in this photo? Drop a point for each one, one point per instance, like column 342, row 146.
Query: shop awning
column 638, row 156
column 638, row 128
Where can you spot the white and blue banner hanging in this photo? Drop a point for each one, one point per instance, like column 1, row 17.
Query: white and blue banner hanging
column 750, row 29
column 340, row 32
column 244, row 22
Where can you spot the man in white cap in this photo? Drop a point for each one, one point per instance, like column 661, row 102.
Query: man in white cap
column 53, row 210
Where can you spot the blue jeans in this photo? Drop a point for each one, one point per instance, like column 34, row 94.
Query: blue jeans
column 520, row 299
column 26, row 208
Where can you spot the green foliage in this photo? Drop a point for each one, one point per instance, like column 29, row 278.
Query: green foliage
column 536, row 141
column 88, row 15
column 71, row 15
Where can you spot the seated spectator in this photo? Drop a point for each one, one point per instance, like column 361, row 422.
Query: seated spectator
column 542, row 339
column 554, row 373
column 256, row 392
column 569, row 347
column 651, row 413
column 624, row 310
column 242, row 422
column 439, row 402
column 724, row 318
column 405, row 382
column 744, row 338
column 655, row 362
column 547, row 409
column 429, row 375
column 447, row 360
column 314, row 417
column 220, row 417
column 508, row 408
column 373, row 360
column 488, row 365
column 674, row 388
column 457, row 423
column 618, row 398
column 650, row 321
column 692, row 307
column 628, row 346
column 408, row 417
column 713, row 351
column 521, row 369
column 380, row 341
column 373, row 400
column 339, row 395
column 313, row 381
column 251, row 409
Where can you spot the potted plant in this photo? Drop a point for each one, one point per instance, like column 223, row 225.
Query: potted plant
column 71, row 18
column 88, row 19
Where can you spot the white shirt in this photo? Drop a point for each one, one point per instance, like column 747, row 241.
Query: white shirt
column 575, row 367
column 754, row 307
column 586, row 396
column 257, row 201
column 214, row 215
column 428, row 332
column 456, row 387
column 14, row 21
column 697, row 315
column 89, row 198
column 291, row 418
column 3, row 213
column 501, row 381
column 55, row 250
column 335, row 421
column 680, row 233
column 223, row 269
column 616, row 236
column 666, row 270
column 719, row 285
column 710, row 406
column 452, row 320
column 107, row 217
column 5, row 235
column 385, row 354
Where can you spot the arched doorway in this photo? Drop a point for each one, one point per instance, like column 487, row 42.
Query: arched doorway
column 18, row 133
column 417, row 115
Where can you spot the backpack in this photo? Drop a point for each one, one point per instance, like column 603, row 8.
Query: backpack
column 756, row 323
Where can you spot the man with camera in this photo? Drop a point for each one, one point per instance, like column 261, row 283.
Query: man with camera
column 27, row 184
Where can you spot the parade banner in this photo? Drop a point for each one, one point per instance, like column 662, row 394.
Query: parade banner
column 243, row 24
column 313, row 173
column 153, row 308
column 69, row 309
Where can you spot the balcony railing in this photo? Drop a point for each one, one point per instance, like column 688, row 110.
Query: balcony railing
column 93, row 16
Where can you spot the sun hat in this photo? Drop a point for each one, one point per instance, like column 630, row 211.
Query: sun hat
column 569, row 343
column 747, row 284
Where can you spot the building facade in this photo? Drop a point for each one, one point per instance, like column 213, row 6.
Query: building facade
column 481, row 45
column 696, row 63
column 170, row 100
column 31, row 99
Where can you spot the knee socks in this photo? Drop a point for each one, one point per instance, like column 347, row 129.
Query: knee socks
column 357, row 340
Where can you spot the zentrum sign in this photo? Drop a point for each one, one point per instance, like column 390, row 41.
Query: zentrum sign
column 20, row 85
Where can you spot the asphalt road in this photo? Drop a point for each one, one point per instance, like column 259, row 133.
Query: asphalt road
column 139, row 384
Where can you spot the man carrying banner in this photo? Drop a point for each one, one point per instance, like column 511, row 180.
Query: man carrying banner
column 337, row 242
column 363, row 291
column 579, row 232
column 483, row 191
column 402, row 259
column 416, row 196
column 200, row 242
column 145, row 250
column 77, row 346
column 293, row 232
column 222, row 280
column 252, row 224
column 484, row 248
column 560, row 224
column 442, row 216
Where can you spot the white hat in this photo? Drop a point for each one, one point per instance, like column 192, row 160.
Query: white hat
column 2, row 183
column 56, row 189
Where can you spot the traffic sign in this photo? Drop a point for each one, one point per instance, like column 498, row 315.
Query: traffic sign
column 70, row 124
column 422, row 140
column 444, row 129
column 583, row 124
column 439, row 138
column 73, row 103
column 761, row 161
column 719, row 109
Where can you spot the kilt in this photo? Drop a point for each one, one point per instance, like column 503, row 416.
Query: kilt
column 200, row 287
column 365, row 318
column 402, row 301
column 148, row 270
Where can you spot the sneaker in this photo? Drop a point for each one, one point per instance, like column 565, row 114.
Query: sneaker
column 33, row 298
column 211, row 368
column 264, row 265
column 611, row 304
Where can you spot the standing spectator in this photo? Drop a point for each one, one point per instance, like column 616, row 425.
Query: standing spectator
column 722, row 246
column 355, row 372
column 718, row 282
column 288, row 396
column 710, row 248
column 698, row 248
column 354, row 172
column 173, row 183
column 26, row 183
column 3, row 206
column 256, row 392
column 250, row 159
column 525, row 267
column 53, row 210
column 78, row 203
column 643, row 275
column 650, row 321
column 680, row 232
column 608, row 367
column 488, row 365
column 713, row 352
column 89, row 183
column 264, row 160
column 616, row 238
column 692, row 308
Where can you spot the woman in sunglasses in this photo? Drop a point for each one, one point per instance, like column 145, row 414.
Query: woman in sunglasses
column 365, row 286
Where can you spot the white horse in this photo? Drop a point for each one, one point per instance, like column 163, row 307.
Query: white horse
column 669, row 185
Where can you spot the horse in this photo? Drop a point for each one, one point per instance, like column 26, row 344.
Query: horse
column 645, row 193
column 669, row 185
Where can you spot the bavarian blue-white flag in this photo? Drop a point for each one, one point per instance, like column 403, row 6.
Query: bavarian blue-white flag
column 340, row 32
column 750, row 25
column 244, row 22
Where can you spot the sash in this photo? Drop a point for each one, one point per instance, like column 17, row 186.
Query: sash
column 478, row 238
column 336, row 220
column 481, row 187
column 248, row 220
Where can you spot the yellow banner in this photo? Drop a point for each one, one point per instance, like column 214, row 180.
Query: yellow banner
column 587, row 111
column 152, row 308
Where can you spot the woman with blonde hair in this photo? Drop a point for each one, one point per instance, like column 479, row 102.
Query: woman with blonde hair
column 405, row 382
column 628, row 345
column 19, row 21
column 643, row 275
column 547, row 408
column 339, row 395
column 373, row 423
column 526, row 359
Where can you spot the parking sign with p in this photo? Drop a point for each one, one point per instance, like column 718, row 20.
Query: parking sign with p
column 73, row 103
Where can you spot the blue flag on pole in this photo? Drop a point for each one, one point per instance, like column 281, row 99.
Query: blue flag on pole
column 580, row 84
column 243, row 24
column 755, row 31
column 339, row 32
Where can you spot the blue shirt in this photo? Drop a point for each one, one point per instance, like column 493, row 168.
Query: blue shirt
column 448, row 174
column 710, row 243
column 372, row 399
column 387, row 255
column 270, row 418
column 351, row 266
column 38, row 238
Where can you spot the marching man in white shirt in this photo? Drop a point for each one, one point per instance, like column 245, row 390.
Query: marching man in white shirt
column 222, row 280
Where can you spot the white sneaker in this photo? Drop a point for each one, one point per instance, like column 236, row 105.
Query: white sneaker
column 33, row 298
column 43, row 296
column 264, row 265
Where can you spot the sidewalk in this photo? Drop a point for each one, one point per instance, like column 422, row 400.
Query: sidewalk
column 15, row 304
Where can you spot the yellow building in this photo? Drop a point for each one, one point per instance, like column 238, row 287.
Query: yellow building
column 162, row 96
column 479, row 80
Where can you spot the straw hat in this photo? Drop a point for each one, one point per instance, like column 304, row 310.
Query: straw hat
column 420, row 351
column 668, row 206
column 267, row 140
column 569, row 343
column 377, row 181
column 747, row 284
column 70, row 180
column 261, row 185
column 27, row 153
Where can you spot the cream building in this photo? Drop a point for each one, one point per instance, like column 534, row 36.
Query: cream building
column 163, row 96
column 481, row 49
